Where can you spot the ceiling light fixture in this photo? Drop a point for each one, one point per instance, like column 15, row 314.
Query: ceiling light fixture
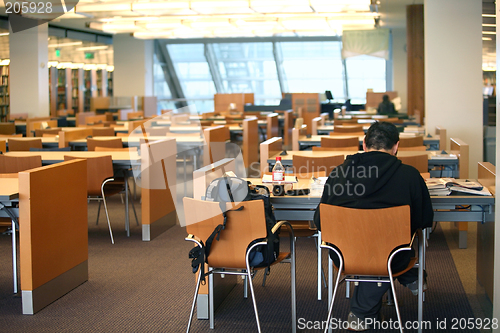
column 91, row 48
column 64, row 44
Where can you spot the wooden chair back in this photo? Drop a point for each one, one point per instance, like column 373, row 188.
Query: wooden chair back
column 7, row 128
column 420, row 162
column 129, row 149
column 242, row 227
column 347, row 128
column 38, row 122
column 333, row 142
column 461, row 148
column 103, row 131
column 23, row 144
column 14, row 164
column 299, row 122
column 411, row 141
column 3, row 146
column 365, row 237
column 350, row 122
column 108, row 143
column 303, row 164
column 99, row 168
column 269, row 148
column 416, row 148
column 350, row 148
column 20, row 135
column 358, row 134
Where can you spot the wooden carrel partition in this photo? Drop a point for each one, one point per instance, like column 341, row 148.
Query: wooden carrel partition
column 36, row 121
column 66, row 136
column 269, row 148
column 215, row 141
column 53, row 232
column 250, row 142
column 158, row 181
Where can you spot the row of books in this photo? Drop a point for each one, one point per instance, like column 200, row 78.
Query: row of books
column 445, row 186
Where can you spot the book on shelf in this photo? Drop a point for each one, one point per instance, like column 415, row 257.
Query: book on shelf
column 444, row 186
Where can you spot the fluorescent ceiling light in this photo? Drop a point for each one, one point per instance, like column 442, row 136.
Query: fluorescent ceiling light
column 110, row 68
column 305, row 24
column 91, row 48
column 89, row 67
column 488, row 25
column 487, row 38
column 52, row 63
column 4, row 34
column 489, row 15
column 65, row 44
column 489, row 33
column 221, row 7
column 279, row 6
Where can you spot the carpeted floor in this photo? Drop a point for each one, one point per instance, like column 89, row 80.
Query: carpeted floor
column 137, row 286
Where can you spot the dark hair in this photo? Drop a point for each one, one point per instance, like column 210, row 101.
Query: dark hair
column 381, row 135
column 385, row 98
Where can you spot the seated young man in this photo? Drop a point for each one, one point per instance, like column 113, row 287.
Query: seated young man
column 390, row 183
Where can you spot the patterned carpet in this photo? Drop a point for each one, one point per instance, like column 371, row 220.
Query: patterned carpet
column 137, row 286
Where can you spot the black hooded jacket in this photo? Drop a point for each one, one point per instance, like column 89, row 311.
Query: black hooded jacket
column 378, row 180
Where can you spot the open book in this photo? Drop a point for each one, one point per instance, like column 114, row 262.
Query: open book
column 444, row 186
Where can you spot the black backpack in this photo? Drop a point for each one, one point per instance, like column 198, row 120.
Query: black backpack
column 234, row 189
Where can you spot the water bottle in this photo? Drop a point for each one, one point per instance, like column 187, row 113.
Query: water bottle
column 278, row 171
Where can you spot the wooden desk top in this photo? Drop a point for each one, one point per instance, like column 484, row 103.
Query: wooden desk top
column 134, row 140
column 9, row 189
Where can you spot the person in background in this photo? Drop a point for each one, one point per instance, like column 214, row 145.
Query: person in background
column 386, row 107
column 389, row 183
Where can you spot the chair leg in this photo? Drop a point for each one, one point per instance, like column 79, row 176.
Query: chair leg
column 396, row 304
column 211, row 310
column 266, row 271
column 98, row 211
column 318, row 245
column 321, row 266
column 249, row 277
column 330, row 308
column 194, row 302
column 107, row 215
column 133, row 208
column 245, row 286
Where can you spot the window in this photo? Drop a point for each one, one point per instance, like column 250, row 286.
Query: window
column 364, row 72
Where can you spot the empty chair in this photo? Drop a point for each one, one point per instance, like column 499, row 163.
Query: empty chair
column 23, row 144
column 415, row 148
column 101, row 184
column 347, row 143
column 7, row 128
column 14, row 164
column 420, row 162
column 230, row 254
column 103, row 131
column 40, row 132
column 345, row 121
column 302, row 164
column 109, row 143
column 347, row 128
column 411, row 141
column 364, row 242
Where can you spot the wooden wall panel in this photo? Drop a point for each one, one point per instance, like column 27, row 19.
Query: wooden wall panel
column 416, row 61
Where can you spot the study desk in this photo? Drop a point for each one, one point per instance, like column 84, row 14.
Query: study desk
column 476, row 208
column 434, row 158
column 315, row 140
column 122, row 160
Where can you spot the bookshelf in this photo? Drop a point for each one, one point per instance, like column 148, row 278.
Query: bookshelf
column 77, row 90
column 53, row 90
column 90, row 81
column 110, row 84
column 4, row 93
column 102, row 83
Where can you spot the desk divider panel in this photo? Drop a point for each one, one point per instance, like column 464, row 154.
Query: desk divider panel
column 297, row 133
column 80, row 117
column 250, row 142
column 461, row 148
column 269, row 148
column 272, row 126
column 53, row 232
column 287, row 128
column 201, row 179
column 215, row 140
column 30, row 124
column 442, row 137
column 66, row 136
column 485, row 254
column 158, row 182
column 315, row 123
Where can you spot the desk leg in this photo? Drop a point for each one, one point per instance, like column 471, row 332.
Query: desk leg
column 127, row 221
column 14, row 255
column 319, row 266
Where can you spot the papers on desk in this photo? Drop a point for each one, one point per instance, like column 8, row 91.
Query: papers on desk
column 288, row 179
column 444, row 186
column 443, row 157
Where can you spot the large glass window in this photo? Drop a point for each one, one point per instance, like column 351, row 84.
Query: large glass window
column 249, row 67
column 364, row 72
column 161, row 89
column 194, row 75
column 313, row 67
